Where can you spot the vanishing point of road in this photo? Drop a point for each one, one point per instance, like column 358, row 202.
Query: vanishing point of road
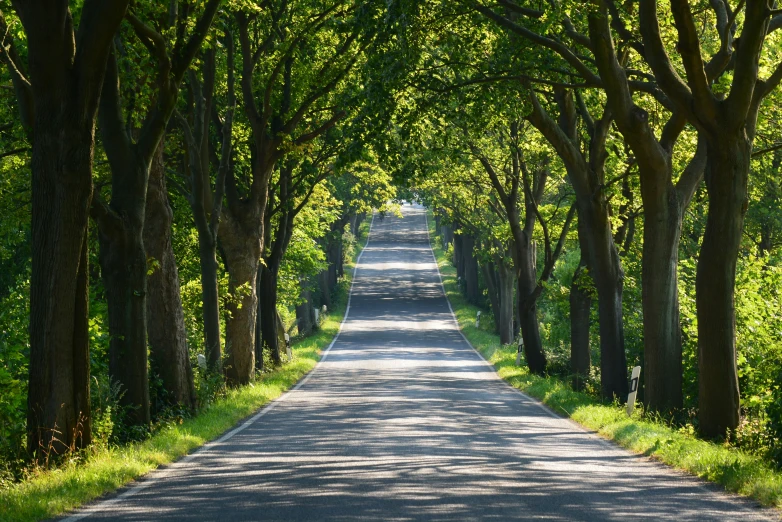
column 403, row 420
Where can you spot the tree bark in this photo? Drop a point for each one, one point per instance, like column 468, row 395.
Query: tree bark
column 587, row 176
column 470, row 264
column 61, row 101
column 207, row 256
column 527, row 283
column 727, row 171
column 505, row 284
column 323, row 286
column 304, row 312
column 660, row 298
column 492, row 288
column 241, row 247
column 606, row 270
column 447, row 233
column 168, row 348
column 267, row 299
column 458, row 256
column 580, row 308
column 123, row 263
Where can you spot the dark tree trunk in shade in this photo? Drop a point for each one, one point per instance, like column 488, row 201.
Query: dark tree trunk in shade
column 726, row 174
column 458, row 256
column 506, row 283
column 168, row 349
column 267, row 297
column 305, row 315
column 447, row 235
column 323, row 286
column 580, row 308
column 492, row 288
column 207, row 256
column 664, row 203
column 58, row 396
column 121, row 222
column 608, row 276
column 470, row 264
column 527, row 284
column 58, row 106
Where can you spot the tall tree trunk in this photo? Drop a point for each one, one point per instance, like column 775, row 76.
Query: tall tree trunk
column 506, row 283
column 323, row 286
column 580, row 308
column 333, row 256
column 58, row 405
column 492, row 288
column 660, row 297
column 60, row 100
column 207, row 256
column 339, row 261
column 527, row 282
column 267, row 298
column 447, row 234
column 123, row 263
column 241, row 246
column 587, row 176
column 727, row 171
column 458, row 256
column 165, row 319
column 606, row 271
column 304, row 312
column 470, row 269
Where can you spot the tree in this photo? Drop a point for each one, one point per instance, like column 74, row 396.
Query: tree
column 121, row 222
column 207, row 203
column 58, row 97
column 726, row 118
column 275, row 128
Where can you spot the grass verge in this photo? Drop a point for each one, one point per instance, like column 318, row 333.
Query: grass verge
column 54, row 492
column 736, row 471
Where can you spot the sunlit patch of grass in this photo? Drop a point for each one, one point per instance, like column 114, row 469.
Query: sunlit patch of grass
column 49, row 493
column 736, row 471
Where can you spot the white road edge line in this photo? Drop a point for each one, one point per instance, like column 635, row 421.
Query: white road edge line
column 100, row 506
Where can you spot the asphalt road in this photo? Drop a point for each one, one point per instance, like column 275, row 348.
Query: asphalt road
column 403, row 420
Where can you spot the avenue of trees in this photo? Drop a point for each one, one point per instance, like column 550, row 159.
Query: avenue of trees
column 181, row 181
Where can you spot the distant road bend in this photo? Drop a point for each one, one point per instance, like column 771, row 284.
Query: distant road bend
column 403, row 420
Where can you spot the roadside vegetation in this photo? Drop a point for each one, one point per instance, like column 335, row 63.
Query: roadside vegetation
column 644, row 433
column 102, row 468
column 180, row 181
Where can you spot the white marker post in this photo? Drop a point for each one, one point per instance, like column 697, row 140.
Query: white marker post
column 317, row 316
column 519, row 349
column 633, row 390
column 288, row 347
column 478, row 320
column 201, row 361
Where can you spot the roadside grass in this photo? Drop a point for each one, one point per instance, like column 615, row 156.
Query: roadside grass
column 49, row 493
column 738, row 472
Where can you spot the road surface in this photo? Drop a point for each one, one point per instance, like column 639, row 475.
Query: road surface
column 403, row 420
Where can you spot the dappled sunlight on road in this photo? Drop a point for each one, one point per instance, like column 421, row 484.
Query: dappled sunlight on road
column 404, row 421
